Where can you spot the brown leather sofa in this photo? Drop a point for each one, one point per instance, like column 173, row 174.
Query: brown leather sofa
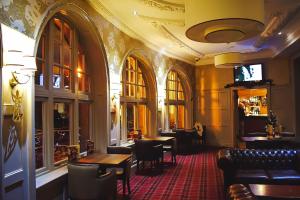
column 259, row 166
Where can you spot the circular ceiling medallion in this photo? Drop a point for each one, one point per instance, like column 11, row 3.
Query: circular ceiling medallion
column 215, row 21
column 223, row 35
column 224, row 30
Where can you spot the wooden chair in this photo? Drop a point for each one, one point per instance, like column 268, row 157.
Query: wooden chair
column 90, row 147
column 148, row 151
column 84, row 182
column 121, row 174
column 172, row 147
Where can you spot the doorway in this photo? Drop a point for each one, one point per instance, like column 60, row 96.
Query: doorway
column 252, row 111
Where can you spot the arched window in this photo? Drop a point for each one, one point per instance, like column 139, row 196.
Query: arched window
column 62, row 94
column 133, row 99
column 175, row 105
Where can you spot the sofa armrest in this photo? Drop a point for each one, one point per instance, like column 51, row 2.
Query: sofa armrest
column 224, row 160
column 298, row 161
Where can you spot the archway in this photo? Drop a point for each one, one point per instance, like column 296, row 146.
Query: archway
column 95, row 58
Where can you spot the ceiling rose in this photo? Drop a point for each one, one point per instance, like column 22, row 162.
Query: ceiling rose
column 223, row 21
column 228, row 60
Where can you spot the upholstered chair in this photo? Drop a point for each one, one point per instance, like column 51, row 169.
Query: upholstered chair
column 85, row 182
column 148, row 151
column 124, row 173
column 90, row 147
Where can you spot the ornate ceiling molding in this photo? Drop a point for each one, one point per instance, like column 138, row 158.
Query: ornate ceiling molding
column 164, row 5
column 163, row 21
column 177, row 41
column 100, row 8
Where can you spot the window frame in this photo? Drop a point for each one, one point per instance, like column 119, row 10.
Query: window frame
column 174, row 102
column 132, row 100
column 49, row 95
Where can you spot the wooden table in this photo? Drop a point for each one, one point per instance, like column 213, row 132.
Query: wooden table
column 275, row 191
column 159, row 139
column 105, row 160
column 267, row 143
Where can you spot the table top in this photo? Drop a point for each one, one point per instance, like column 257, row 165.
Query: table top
column 104, row 159
column 158, row 139
column 252, row 139
column 276, row 191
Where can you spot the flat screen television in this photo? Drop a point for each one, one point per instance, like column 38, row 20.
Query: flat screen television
column 250, row 72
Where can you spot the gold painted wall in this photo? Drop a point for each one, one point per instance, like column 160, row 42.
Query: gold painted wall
column 214, row 103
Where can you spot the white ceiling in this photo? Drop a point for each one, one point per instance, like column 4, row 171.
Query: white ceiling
column 160, row 25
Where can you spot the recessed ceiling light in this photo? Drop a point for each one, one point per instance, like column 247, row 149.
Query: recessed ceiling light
column 135, row 13
column 162, row 51
column 280, row 33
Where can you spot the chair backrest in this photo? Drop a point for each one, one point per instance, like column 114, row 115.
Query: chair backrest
column 90, row 147
column 144, row 150
column 73, row 152
column 121, row 150
column 84, row 182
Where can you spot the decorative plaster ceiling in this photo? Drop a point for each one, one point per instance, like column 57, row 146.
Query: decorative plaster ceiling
column 160, row 24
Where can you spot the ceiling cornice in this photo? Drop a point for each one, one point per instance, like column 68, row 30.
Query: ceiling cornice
column 178, row 42
column 100, row 8
column 164, row 5
column 163, row 21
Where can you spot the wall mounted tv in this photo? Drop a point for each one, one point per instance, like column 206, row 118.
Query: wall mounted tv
column 250, row 72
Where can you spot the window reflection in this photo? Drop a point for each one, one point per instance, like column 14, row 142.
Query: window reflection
column 61, row 119
column 175, row 100
column 39, row 135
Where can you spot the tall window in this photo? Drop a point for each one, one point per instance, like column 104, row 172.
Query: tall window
column 133, row 98
column 175, row 105
column 63, row 96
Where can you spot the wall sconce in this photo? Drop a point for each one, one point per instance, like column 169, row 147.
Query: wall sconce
column 16, row 62
column 18, row 78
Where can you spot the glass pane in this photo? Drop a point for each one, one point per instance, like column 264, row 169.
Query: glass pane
column 180, row 96
column 57, row 29
column 56, row 77
column 67, row 35
column 172, row 117
column 83, row 82
column 179, row 86
column 39, row 74
column 132, row 77
column 39, row 136
column 57, row 52
column 127, row 90
column 61, row 119
column 172, row 85
column 81, row 62
column 67, row 56
column 130, row 120
column 132, row 92
column 67, row 78
column 139, row 92
column 142, row 113
column 180, row 116
column 140, row 79
column 172, row 95
column 84, row 122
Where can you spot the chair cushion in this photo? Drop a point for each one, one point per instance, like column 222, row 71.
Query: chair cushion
column 284, row 174
column 251, row 175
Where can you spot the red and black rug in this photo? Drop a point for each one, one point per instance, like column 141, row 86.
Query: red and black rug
column 194, row 177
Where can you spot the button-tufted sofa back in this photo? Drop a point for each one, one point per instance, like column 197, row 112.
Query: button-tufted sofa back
column 263, row 159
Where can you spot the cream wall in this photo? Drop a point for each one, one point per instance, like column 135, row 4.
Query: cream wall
column 214, row 103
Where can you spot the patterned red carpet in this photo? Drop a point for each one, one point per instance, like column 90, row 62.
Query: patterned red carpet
column 194, row 177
